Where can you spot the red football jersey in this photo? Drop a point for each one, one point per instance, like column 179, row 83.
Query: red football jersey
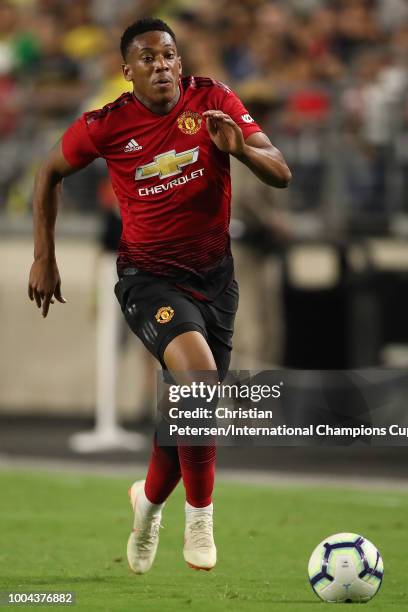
column 171, row 181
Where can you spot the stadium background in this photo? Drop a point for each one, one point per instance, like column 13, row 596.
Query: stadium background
column 323, row 266
column 323, row 271
column 327, row 81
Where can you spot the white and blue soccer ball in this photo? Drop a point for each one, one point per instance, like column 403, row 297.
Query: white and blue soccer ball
column 346, row 568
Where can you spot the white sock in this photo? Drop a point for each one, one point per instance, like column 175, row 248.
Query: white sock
column 192, row 509
column 147, row 508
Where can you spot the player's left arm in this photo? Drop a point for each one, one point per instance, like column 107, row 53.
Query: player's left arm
column 256, row 151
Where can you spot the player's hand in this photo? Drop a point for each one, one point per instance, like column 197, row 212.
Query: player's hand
column 224, row 132
column 44, row 284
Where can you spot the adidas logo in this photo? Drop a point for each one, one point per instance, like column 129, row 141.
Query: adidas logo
column 132, row 146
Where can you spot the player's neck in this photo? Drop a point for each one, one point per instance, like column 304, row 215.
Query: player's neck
column 159, row 109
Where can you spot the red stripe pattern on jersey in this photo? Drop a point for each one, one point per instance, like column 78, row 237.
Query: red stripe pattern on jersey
column 196, row 254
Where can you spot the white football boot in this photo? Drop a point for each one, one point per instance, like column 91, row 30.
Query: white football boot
column 199, row 551
column 144, row 538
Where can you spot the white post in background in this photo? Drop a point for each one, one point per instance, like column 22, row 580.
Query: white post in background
column 107, row 434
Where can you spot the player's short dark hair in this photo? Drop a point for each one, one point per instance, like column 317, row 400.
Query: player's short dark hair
column 146, row 24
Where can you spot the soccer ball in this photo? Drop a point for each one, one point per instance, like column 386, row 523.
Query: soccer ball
column 346, row 568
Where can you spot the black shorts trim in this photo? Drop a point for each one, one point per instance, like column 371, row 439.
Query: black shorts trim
column 177, row 331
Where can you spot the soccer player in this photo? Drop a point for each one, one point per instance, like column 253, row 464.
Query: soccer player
column 167, row 147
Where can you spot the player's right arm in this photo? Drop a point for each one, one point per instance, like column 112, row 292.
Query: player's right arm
column 75, row 151
column 44, row 282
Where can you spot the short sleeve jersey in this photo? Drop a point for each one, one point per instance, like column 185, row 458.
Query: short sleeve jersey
column 171, row 181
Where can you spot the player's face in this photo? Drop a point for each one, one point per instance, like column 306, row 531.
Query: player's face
column 154, row 68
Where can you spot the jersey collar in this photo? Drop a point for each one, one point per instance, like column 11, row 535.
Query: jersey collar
column 147, row 110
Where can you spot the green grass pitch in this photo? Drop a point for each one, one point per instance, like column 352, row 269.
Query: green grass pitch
column 66, row 532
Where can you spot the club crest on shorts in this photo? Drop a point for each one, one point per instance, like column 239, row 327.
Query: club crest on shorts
column 189, row 122
column 164, row 314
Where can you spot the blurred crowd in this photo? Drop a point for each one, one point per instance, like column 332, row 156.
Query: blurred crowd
column 326, row 79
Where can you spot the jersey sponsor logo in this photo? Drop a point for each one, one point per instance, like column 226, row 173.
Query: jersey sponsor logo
column 247, row 118
column 132, row 145
column 189, row 122
column 181, row 180
column 164, row 314
column 167, row 164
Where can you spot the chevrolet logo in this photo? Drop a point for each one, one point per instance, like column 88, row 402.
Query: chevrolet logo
column 167, row 164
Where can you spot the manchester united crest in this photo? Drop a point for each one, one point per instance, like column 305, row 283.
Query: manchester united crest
column 164, row 314
column 189, row 122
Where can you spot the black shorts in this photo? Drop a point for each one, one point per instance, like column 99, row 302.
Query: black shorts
column 157, row 311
